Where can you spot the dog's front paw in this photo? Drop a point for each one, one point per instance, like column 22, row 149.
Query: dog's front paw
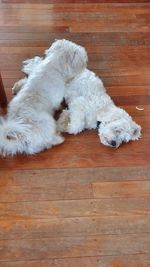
column 74, row 128
column 58, row 139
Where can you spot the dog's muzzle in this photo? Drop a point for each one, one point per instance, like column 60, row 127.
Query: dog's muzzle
column 98, row 124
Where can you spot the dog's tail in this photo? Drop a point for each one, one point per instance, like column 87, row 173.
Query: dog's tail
column 30, row 64
column 13, row 137
column 16, row 136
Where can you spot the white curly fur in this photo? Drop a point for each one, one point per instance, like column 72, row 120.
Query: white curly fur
column 29, row 126
column 88, row 103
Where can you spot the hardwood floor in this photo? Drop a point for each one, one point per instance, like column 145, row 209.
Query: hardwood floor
column 80, row 204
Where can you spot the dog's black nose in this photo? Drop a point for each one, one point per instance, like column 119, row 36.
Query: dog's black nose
column 98, row 124
column 113, row 143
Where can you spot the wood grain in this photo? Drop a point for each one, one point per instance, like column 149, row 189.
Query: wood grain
column 75, row 247
column 80, row 204
column 73, row 227
column 121, row 189
column 105, row 261
column 75, row 208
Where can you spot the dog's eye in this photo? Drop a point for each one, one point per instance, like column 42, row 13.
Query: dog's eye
column 117, row 131
column 135, row 131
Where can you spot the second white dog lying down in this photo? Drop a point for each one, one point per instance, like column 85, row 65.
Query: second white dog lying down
column 89, row 105
column 30, row 126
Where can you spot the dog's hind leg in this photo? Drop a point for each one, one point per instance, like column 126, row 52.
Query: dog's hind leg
column 76, row 116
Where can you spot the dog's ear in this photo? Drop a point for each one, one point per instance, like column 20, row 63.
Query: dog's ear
column 15, row 135
column 76, row 58
column 136, row 131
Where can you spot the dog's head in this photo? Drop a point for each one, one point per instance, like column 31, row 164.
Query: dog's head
column 115, row 132
column 71, row 58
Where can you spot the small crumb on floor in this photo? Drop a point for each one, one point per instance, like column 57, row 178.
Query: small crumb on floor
column 139, row 108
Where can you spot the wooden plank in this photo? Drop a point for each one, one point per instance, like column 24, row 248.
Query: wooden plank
column 50, row 177
column 134, row 100
column 50, row 159
column 115, row 6
column 67, row 262
column 62, row 184
column 27, row 14
column 121, row 189
column 128, row 80
column 107, row 26
column 86, row 39
column 75, row 208
column 77, row 246
column 105, row 261
column 47, row 23
column 128, row 90
column 70, row 1
column 106, row 8
column 91, row 49
column 54, row 191
column 31, row 29
column 94, row 52
column 23, row 50
column 65, row 188
column 73, row 227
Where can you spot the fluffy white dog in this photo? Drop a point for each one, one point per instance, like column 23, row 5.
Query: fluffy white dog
column 90, row 107
column 29, row 126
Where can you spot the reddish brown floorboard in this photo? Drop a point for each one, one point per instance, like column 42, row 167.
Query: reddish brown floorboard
column 80, row 204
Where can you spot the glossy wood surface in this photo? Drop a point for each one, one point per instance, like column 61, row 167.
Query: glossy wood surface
column 80, row 204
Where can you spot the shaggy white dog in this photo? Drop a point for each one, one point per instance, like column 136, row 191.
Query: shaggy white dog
column 89, row 106
column 29, row 126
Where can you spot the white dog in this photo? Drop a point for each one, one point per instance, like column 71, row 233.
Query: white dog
column 30, row 126
column 89, row 106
